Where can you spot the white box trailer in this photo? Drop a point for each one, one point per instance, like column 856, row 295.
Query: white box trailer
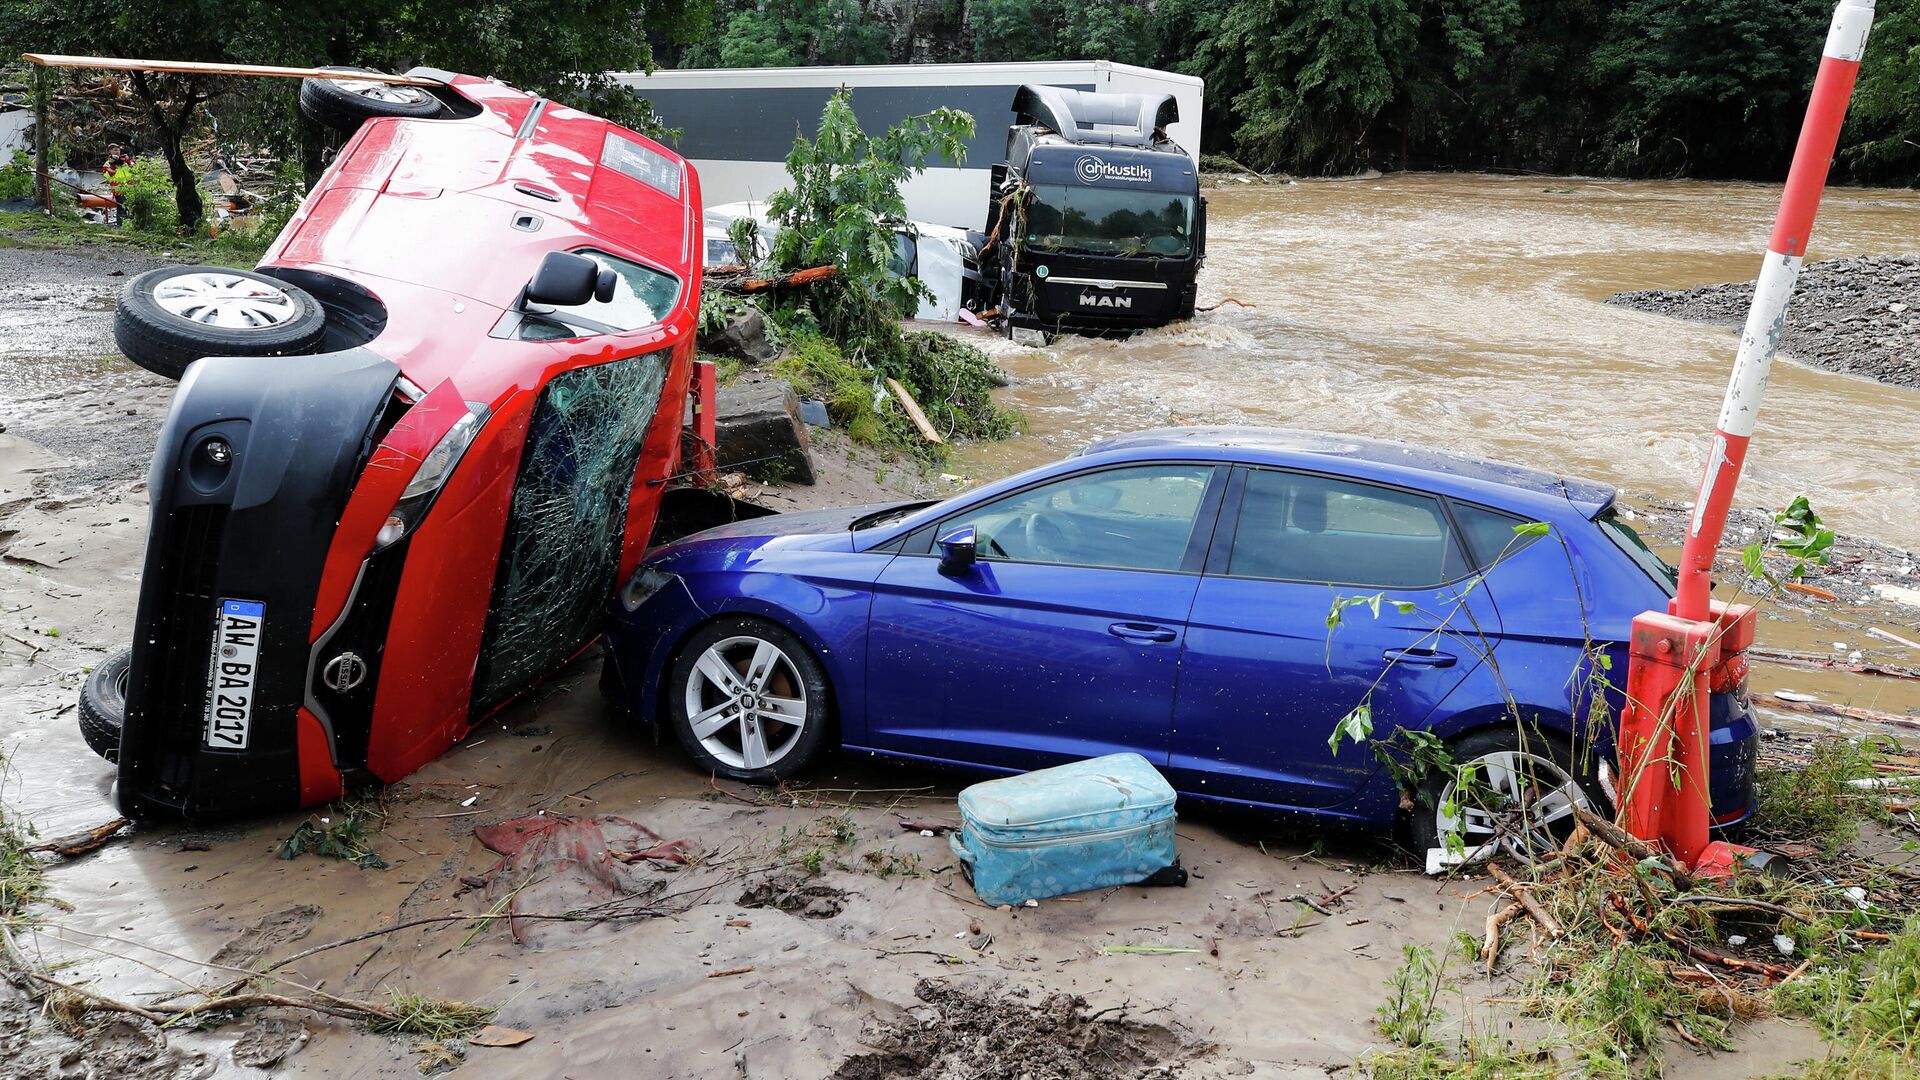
column 738, row 124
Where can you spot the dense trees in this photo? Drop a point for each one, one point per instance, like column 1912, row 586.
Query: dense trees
column 557, row 47
column 1633, row 87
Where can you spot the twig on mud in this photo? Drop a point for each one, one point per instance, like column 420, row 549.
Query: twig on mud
column 1303, row 898
column 1490, row 949
column 714, row 783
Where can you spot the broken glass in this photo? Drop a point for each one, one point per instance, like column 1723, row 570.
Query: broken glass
column 567, row 523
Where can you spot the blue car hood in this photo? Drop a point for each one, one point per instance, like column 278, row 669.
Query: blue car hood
column 822, row 529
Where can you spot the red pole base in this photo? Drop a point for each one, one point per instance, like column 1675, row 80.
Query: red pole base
column 1668, row 669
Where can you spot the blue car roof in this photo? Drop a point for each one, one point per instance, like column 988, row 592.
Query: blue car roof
column 1298, row 447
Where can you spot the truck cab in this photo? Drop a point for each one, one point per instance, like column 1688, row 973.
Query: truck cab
column 1095, row 223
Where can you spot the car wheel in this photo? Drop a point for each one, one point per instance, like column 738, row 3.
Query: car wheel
column 1520, row 792
column 344, row 103
column 168, row 318
column 103, row 702
column 748, row 701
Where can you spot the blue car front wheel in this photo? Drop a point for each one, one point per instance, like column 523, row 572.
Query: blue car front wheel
column 748, row 700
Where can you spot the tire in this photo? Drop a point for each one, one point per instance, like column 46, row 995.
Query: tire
column 788, row 675
column 1490, row 811
column 168, row 318
column 344, row 103
column 103, row 702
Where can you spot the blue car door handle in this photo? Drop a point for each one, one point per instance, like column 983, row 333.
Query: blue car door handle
column 1425, row 657
column 1141, row 632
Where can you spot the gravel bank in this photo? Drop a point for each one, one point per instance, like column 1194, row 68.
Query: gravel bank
column 1859, row 315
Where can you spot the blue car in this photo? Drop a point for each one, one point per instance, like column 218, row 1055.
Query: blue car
column 1216, row 599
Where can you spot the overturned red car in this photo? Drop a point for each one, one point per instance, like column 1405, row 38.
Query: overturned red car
column 410, row 455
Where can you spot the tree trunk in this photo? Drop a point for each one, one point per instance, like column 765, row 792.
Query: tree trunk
column 172, row 132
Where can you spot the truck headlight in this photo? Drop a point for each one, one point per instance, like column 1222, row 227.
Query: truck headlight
column 432, row 475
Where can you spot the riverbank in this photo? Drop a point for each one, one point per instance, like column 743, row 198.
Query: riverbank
column 1858, row 315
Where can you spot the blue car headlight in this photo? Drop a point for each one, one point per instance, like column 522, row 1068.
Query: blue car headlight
column 641, row 587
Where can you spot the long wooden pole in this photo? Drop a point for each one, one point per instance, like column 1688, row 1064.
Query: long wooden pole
column 188, row 67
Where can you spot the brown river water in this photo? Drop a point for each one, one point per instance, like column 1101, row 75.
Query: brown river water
column 1465, row 312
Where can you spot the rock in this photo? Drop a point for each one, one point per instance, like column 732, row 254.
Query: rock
column 744, row 337
column 760, row 433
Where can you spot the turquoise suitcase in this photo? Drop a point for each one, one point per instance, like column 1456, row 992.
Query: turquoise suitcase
column 1095, row 823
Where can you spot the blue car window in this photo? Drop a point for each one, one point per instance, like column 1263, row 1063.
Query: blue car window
column 1298, row 527
column 1139, row 517
column 1490, row 533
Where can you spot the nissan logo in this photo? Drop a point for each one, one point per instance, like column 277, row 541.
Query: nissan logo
column 344, row 672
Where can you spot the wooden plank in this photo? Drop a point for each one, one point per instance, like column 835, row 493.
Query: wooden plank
column 913, row 412
column 188, row 67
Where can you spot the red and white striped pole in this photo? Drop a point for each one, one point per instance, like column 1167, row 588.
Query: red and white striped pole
column 1675, row 653
column 1832, row 88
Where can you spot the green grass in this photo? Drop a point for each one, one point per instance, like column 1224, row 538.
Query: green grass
column 417, row 1014
column 38, row 232
column 20, row 878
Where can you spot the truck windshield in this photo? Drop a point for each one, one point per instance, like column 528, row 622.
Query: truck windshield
column 1110, row 221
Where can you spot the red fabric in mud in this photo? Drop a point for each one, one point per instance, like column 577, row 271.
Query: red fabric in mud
column 562, row 864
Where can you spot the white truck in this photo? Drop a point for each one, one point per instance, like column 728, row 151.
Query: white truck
column 738, row 124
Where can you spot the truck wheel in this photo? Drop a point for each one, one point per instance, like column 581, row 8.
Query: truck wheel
column 344, row 103
column 168, row 318
column 103, row 701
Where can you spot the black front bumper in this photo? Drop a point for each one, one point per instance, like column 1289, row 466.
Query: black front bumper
column 255, row 528
column 1071, row 299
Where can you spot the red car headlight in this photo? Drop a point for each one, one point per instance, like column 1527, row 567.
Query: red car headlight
column 432, row 475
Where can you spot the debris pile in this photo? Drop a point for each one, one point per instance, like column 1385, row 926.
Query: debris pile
column 995, row 1034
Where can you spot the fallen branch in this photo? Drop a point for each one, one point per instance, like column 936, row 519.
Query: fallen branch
column 81, row 843
column 1751, row 967
column 1740, row 902
column 1638, row 850
column 1816, row 662
column 1224, row 301
column 914, row 414
column 1524, row 895
column 784, row 281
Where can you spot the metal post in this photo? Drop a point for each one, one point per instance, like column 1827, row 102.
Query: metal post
column 1663, row 732
column 41, row 94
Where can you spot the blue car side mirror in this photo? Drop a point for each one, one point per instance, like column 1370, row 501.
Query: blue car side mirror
column 957, row 550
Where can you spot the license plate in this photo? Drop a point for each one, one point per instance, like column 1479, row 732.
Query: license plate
column 236, row 652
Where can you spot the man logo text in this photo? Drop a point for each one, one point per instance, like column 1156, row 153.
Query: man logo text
column 1094, row 300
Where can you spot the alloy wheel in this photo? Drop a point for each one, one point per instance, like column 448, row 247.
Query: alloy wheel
column 745, row 702
column 226, row 300
column 1523, row 802
column 380, row 91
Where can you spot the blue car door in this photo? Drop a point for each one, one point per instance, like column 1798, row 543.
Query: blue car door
column 1062, row 640
column 1265, row 679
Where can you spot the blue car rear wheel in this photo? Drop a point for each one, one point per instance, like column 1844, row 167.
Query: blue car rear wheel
column 748, row 701
column 1510, row 790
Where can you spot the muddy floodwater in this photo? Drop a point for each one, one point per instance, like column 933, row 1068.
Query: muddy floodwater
column 1466, row 312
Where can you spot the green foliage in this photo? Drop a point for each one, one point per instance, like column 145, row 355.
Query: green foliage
column 1411, row 1008
column 20, row 879
column 842, row 208
column 17, row 177
column 1817, row 803
column 790, row 33
column 147, row 196
column 1710, row 85
column 1357, row 725
column 343, row 832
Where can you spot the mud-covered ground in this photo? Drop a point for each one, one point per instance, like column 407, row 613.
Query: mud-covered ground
column 808, row 934
column 1860, row 315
